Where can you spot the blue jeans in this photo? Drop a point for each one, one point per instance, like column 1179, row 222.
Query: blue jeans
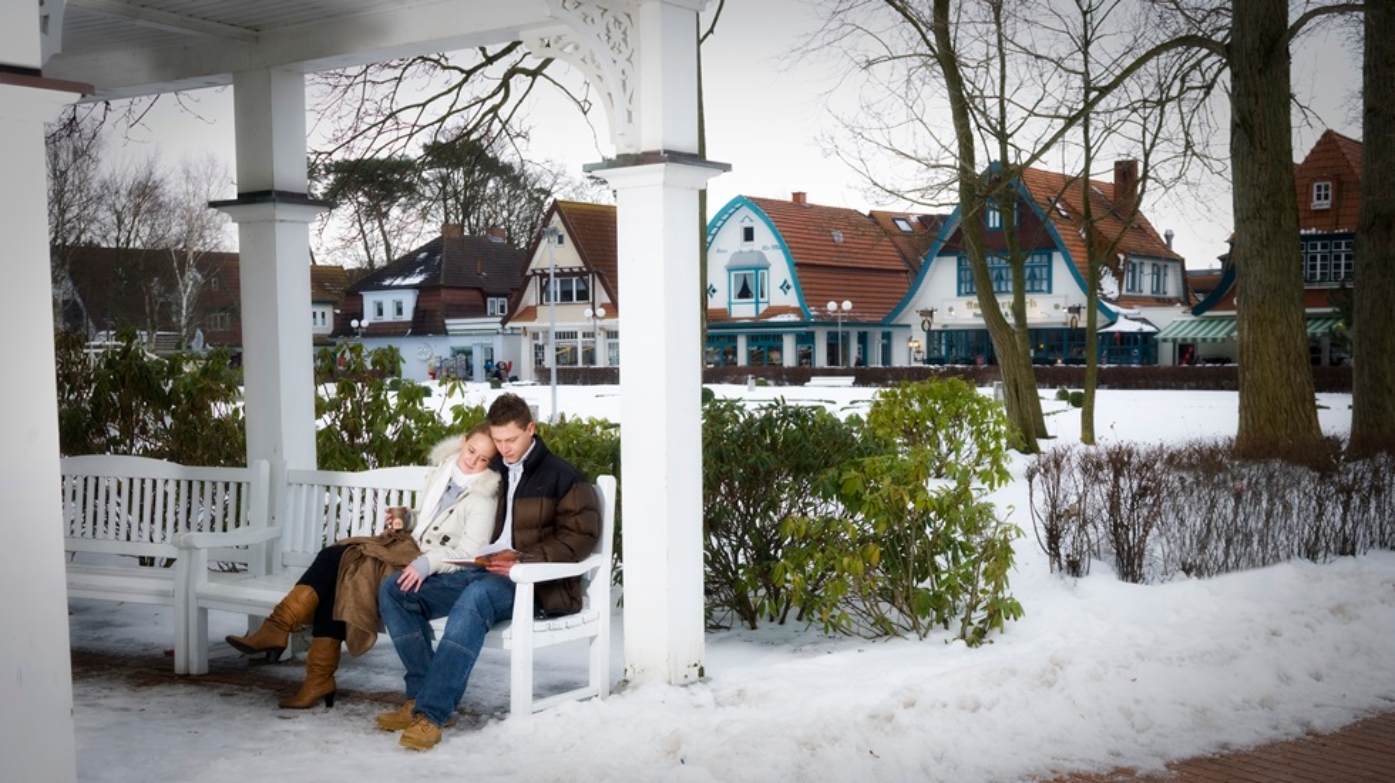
column 472, row 600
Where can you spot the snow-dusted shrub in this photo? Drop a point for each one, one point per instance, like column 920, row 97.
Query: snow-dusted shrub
column 914, row 547
column 760, row 467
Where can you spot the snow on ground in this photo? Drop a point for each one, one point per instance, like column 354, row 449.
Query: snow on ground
column 1098, row 674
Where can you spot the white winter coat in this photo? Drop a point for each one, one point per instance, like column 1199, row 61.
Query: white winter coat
column 467, row 524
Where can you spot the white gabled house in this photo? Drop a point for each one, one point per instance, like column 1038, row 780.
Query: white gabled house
column 775, row 266
column 570, row 284
column 442, row 305
column 1145, row 292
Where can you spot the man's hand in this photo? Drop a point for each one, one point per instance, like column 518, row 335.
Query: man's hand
column 502, row 563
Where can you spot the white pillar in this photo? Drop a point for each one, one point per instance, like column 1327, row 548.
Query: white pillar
column 789, row 355
column 36, row 687
column 660, row 420
column 642, row 58
column 743, row 353
column 273, row 212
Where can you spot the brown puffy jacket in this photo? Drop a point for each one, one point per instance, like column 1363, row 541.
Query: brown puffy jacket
column 556, row 519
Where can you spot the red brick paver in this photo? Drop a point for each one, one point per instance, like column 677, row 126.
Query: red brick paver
column 1362, row 751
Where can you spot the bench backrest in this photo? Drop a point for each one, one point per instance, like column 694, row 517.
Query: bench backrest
column 323, row 506
column 119, row 504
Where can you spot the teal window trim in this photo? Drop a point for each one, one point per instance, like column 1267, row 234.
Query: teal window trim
column 1037, row 273
column 757, row 285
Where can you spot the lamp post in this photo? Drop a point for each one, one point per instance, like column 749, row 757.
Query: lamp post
column 1075, row 310
column 912, row 349
column 836, row 310
column 595, row 315
column 927, row 320
column 550, row 233
column 359, row 327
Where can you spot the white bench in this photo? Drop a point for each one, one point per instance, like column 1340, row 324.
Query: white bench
column 122, row 514
column 320, row 507
column 317, row 507
column 830, row 380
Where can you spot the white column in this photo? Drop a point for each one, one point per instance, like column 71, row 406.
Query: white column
column 743, row 353
column 273, row 213
column 789, row 354
column 36, row 721
column 660, row 422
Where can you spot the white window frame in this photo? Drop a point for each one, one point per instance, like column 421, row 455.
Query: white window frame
column 219, row 322
column 758, row 278
column 497, row 305
column 378, row 310
column 1322, row 194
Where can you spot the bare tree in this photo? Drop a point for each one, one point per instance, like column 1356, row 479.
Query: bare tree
column 73, row 151
column 459, row 120
column 998, row 71
column 191, row 231
column 1373, row 372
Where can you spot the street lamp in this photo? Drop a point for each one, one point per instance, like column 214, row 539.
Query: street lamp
column 594, row 315
column 927, row 320
column 834, row 310
column 550, row 233
column 359, row 327
column 1075, row 310
column 913, row 349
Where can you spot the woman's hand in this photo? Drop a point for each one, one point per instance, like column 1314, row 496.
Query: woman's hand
column 409, row 581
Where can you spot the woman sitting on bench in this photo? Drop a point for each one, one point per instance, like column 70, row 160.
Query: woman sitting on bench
column 338, row 593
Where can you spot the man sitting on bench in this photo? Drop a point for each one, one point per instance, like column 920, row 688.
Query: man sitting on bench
column 549, row 513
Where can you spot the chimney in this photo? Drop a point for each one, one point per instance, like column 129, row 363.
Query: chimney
column 1167, row 237
column 496, row 233
column 1126, row 188
column 452, row 230
column 799, row 197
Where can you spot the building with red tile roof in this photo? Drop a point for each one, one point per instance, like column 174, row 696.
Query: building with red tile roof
column 1143, row 282
column 774, row 266
column 108, row 289
column 578, row 262
column 1328, row 184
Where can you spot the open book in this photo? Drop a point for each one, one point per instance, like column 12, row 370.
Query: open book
column 485, row 559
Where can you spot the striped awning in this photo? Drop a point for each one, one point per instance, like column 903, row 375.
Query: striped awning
column 1198, row 330
column 1321, row 327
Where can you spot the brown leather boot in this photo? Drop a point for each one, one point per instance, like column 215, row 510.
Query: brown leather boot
column 271, row 638
column 321, row 662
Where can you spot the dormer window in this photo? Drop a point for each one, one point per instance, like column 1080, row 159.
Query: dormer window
column 1322, row 195
column 992, row 218
column 902, row 223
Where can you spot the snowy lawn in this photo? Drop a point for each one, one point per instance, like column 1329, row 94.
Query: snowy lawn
column 1098, row 674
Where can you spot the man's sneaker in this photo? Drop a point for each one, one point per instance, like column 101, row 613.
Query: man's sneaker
column 397, row 719
column 421, row 735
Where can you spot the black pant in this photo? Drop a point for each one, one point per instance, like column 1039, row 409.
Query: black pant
column 323, row 576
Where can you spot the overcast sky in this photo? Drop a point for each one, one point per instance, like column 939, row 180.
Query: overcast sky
column 768, row 117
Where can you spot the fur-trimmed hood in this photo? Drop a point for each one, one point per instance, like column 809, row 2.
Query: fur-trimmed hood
column 445, row 451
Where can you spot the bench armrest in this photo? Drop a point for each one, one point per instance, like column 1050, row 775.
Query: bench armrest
column 241, row 537
column 532, row 573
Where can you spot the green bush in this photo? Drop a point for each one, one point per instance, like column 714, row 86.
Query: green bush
column 1063, row 394
column 125, row 400
column 593, row 446
column 915, row 546
column 1077, row 398
column 761, row 467
column 368, row 417
column 708, row 395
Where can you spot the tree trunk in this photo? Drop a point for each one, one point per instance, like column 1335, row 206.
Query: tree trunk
column 1020, row 399
column 1373, row 288
column 1277, row 406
